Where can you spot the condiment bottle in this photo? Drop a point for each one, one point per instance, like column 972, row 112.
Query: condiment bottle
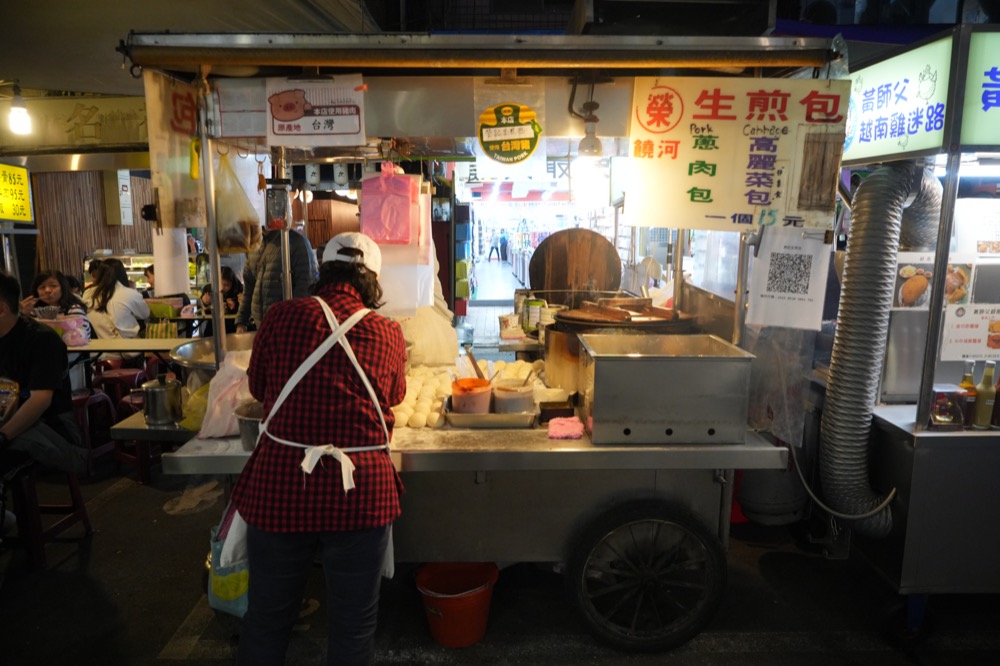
column 995, row 423
column 969, row 384
column 985, row 398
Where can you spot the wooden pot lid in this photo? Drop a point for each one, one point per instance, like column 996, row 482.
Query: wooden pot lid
column 575, row 259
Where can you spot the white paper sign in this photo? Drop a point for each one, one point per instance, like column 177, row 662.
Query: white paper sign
column 322, row 112
column 732, row 154
column 971, row 332
column 788, row 280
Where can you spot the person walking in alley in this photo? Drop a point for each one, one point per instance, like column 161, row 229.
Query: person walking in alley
column 494, row 245
column 503, row 245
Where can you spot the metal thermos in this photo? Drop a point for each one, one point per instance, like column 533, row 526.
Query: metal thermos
column 161, row 401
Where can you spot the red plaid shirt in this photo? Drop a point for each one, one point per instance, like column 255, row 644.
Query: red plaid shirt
column 329, row 406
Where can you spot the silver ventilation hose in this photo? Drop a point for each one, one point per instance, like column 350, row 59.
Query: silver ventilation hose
column 860, row 340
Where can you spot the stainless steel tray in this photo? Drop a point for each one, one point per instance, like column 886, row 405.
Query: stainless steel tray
column 496, row 421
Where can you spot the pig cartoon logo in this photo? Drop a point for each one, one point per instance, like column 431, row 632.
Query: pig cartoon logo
column 289, row 105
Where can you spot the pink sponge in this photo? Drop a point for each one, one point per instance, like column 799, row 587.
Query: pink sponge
column 565, row 427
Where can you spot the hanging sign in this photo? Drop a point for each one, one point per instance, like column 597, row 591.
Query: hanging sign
column 175, row 151
column 788, row 281
column 321, row 112
column 15, row 194
column 898, row 106
column 731, row 154
column 981, row 111
column 508, row 133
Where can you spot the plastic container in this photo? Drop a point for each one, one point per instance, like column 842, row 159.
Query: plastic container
column 457, row 600
column 509, row 396
column 471, row 396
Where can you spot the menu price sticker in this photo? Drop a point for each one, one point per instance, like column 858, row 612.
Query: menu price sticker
column 15, row 194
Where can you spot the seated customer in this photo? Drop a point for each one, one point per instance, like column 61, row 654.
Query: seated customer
column 52, row 297
column 232, row 294
column 150, row 275
column 42, row 427
column 116, row 310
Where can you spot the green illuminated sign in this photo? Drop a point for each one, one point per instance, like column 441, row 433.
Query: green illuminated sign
column 981, row 111
column 898, row 106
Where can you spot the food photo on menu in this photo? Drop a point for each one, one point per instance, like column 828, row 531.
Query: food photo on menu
column 913, row 284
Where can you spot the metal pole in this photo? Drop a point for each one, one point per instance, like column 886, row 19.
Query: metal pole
column 935, row 317
column 742, row 270
column 211, row 237
column 683, row 239
column 286, row 257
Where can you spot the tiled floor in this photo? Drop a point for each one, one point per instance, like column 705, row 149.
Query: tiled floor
column 494, row 297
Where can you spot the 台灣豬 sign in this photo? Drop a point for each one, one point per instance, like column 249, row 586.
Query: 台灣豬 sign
column 732, row 154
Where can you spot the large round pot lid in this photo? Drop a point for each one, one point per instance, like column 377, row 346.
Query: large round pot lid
column 575, row 260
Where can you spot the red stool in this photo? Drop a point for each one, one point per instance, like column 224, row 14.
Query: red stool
column 32, row 534
column 119, row 382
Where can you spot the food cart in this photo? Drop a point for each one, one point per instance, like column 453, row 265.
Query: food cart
column 640, row 514
column 930, row 538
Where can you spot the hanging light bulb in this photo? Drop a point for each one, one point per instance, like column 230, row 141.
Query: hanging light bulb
column 20, row 121
column 590, row 145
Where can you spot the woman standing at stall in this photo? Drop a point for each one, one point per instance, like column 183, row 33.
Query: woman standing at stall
column 116, row 310
column 336, row 426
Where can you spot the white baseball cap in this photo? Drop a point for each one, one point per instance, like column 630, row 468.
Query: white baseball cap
column 370, row 257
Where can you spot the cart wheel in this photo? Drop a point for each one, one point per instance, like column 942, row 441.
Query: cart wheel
column 647, row 576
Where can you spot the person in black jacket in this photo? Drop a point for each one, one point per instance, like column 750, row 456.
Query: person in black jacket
column 262, row 277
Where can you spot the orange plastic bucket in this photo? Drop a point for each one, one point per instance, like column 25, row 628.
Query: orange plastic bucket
column 471, row 395
column 457, row 600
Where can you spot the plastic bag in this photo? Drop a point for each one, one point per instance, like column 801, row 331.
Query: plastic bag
column 391, row 210
column 237, row 222
column 227, row 390
column 229, row 576
column 195, row 408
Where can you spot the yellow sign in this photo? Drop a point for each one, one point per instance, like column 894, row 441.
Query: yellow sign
column 15, row 194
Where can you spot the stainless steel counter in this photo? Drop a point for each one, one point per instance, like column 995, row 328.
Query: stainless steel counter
column 941, row 541
column 454, row 449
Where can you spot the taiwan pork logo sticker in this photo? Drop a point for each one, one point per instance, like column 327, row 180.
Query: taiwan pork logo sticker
column 508, row 133
column 663, row 109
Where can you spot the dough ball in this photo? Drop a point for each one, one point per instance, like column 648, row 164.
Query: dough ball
column 538, row 366
column 499, row 365
column 402, row 417
column 435, row 419
column 422, row 406
column 437, row 405
column 417, row 420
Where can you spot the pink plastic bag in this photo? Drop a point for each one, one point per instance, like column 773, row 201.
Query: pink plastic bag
column 389, row 206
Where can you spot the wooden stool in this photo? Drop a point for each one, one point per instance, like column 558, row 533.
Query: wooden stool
column 31, row 533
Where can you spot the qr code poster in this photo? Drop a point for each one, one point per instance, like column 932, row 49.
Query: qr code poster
column 788, row 279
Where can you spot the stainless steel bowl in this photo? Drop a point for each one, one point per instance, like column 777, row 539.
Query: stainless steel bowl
column 249, row 416
column 200, row 353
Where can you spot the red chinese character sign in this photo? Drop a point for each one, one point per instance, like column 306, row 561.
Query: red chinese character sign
column 730, row 154
column 323, row 112
column 174, row 152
